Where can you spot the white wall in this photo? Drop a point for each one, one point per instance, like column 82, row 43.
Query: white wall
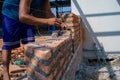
column 102, row 21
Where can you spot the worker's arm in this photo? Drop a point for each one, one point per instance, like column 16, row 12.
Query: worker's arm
column 47, row 8
column 50, row 14
column 25, row 17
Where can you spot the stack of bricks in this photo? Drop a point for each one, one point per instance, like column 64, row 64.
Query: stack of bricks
column 73, row 24
column 48, row 58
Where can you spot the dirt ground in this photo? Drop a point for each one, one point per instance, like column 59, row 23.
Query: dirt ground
column 15, row 70
column 103, row 71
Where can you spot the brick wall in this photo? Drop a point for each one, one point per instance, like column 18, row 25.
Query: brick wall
column 49, row 58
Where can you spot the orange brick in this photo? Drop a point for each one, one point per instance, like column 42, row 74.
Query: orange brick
column 30, row 70
column 44, row 53
column 74, row 20
column 40, row 77
column 74, row 29
column 28, row 59
column 69, row 15
column 30, row 48
column 59, row 75
column 34, row 62
column 48, row 68
column 71, row 24
column 55, row 72
column 73, row 15
column 62, row 61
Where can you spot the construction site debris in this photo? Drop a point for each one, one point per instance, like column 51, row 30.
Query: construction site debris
column 109, row 71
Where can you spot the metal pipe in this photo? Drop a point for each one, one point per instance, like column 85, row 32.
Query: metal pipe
column 57, row 8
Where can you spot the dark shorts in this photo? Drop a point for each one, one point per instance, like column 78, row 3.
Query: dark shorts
column 14, row 33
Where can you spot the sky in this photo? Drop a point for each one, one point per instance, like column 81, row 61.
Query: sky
column 61, row 10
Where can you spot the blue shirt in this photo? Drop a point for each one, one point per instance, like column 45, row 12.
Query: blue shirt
column 10, row 8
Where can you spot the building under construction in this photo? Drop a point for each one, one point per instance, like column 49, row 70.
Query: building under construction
column 87, row 49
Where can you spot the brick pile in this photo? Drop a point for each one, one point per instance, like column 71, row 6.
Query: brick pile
column 48, row 57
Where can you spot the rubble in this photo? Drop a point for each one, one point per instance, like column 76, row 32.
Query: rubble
column 109, row 71
column 16, row 54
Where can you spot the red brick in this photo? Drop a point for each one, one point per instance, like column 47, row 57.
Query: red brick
column 72, row 19
column 28, row 59
column 44, row 54
column 72, row 24
column 48, row 68
column 62, row 61
column 40, row 77
column 59, row 75
column 55, row 72
column 34, row 62
column 70, row 15
column 30, row 70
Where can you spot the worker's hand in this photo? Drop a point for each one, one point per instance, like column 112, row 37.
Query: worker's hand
column 54, row 22
column 63, row 26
